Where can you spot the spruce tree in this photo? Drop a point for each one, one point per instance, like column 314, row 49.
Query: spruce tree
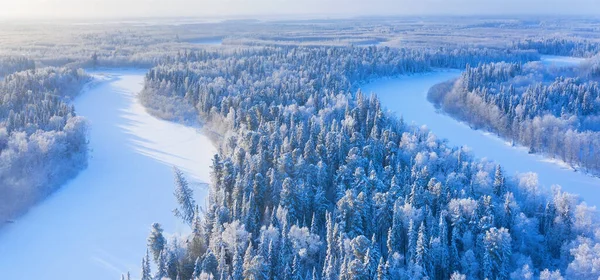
column 185, row 198
column 499, row 184
column 156, row 241
column 146, row 273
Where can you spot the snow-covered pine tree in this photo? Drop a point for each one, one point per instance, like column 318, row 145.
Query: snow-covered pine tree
column 156, row 241
column 185, row 198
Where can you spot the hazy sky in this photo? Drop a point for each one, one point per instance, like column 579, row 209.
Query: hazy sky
column 167, row 8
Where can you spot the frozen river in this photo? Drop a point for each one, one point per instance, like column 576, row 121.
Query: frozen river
column 95, row 227
column 407, row 96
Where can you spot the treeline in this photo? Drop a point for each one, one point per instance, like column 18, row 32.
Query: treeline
column 316, row 181
column 591, row 67
column 12, row 64
column 560, row 46
column 560, row 118
column 42, row 141
column 196, row 74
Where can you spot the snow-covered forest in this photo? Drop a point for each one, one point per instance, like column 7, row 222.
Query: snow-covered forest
column 561, row 46
column 42, row 141
column 316, row 181
column 192, row 78
column 314, row 178
column 551, row 111
column 12, row 64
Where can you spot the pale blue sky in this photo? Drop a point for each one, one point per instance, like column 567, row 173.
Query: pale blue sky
column 149, row 8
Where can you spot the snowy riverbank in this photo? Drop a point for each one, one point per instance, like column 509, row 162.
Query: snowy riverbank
column 95, row 226
column 408, row 96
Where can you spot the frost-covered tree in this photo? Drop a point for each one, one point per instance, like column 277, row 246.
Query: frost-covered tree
column 146, row 273
column 156, row 241
column 549, row 111
column 42, row 140
column 313, row 175
column 497, row 253
column 185, row 198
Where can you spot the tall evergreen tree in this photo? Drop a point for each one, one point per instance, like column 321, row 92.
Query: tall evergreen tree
column 185, row 198
column 499, row 184
column 156, row 241
column 146, row 273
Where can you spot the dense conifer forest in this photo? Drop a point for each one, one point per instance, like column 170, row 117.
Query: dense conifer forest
column 315, row 180
column 551, row 111
column 42, row 141
column 561, row 46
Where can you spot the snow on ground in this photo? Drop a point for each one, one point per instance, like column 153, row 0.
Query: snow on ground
column 96, row 226
column 407, row 96
column 561, row 61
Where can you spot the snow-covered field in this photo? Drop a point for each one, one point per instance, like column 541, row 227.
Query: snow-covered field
column 95, row 227
column 408, row 96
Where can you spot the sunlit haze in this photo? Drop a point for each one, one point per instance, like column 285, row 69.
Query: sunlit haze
column 189, row 8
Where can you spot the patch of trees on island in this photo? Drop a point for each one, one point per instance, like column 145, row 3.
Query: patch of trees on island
column 315, row 180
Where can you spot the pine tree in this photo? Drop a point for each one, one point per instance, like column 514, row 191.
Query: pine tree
column 421, row 254
column 161, row 265
column 499, row 184
column 382, row 270
column 390, row 242
column 289, row 199
column 238, row 265
column 156, row 241
column 396, row 238
column 412, row 239
column 375, row 251
column 271, row 263
column 497, row 252
column 185, row 198
column 223, row 268
column 197, row 269
column 454, row 257
column 444, row 258
column 296, row 271
column 146, row 273
column 248, row 255
column 197, row 244
column 172, row 261
column 344, row 271
column 356, row 270
column 370, row 264
column 209, row 263
column 330, row 265
column 508, row 212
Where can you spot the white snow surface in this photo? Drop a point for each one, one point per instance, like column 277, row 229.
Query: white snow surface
column 407, row 96
column 561, row 61
column 95, row 227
